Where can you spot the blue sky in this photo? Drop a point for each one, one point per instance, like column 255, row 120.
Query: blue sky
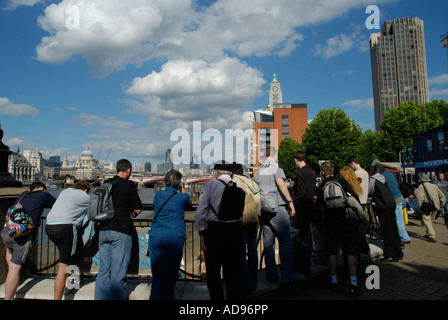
column 122, row 75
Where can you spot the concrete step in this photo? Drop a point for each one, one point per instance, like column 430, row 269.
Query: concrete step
column 42, row 287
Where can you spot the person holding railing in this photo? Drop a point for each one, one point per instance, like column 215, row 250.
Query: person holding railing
column 64, row 228
column 167, row 236
column 34, row 202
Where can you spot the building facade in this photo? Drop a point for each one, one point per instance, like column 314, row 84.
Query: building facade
column 278, row 121
column 398, row 61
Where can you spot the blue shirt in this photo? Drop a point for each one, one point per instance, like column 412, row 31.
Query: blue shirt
column 393, row 185
column 35, row 202
column 170, row 221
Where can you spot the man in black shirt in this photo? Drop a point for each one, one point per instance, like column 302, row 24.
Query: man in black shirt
column 338, row 232
column 303, row 197
column 115, row 236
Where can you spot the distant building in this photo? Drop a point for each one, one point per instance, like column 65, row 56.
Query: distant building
column 278, row 121
column 86, row 168
column 445, row 43
column 148, row 167
column 19, row 167
column 398, row 62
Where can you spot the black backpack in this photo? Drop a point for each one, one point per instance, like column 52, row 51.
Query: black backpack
column 232, row 202
column 383, row 197
column 405, row 189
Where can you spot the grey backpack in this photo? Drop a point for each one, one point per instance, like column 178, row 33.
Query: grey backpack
column 101, row 206
column 334, row 195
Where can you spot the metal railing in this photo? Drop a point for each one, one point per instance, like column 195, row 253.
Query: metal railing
column 43, row 258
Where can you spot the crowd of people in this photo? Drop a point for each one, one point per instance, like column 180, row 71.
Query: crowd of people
column 233, row 211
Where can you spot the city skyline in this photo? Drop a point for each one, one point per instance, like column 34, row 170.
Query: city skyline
column 73, row 73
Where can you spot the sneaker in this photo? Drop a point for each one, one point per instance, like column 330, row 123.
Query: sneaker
column 354, row 291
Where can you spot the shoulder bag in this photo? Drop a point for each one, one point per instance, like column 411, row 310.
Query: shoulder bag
column 428, row 206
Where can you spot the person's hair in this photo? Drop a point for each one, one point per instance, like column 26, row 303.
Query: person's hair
column 37, row 185
column 238, row 169
column 379, row 168
column 328, row 168
column 173, row 178
column 300, row 155
column 123, row 165
column 370, row 170
column 349, row 174
column 82, row 185
column 352, row 158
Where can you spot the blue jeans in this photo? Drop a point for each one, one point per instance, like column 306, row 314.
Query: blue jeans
column 115, row 254
column 278, row 228
column 165, row 253
column 400, row 222
column 249, row 258
column 301, row 240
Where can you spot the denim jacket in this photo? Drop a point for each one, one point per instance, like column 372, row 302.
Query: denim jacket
column 170, row 220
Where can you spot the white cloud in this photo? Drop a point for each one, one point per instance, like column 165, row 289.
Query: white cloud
column 201, row 46
column 92, row 120
column 360, row 104
column 341, row 43
column 439, row 80
column 14, row 4
column 438, row 87
column 9, row 108
column 183, row 92
column 115, row 33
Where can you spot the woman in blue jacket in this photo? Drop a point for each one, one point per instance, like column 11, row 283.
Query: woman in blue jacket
column 167, row 236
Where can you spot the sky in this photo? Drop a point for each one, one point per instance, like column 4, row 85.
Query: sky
column 122, row 76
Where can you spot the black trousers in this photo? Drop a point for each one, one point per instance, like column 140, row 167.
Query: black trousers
column 223, row 250
column 389, row 233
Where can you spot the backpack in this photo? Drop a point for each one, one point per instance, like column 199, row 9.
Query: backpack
column 18, row 222
column 232, row 202
column 334, row 195
column 406, row 189
column 269, row 199
column 382, row 196
column 269, row 195
column 101, row 206
column 252, row 204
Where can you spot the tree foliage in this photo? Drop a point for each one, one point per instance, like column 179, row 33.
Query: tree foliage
column 286, row 150
column 401, row 123
column 333, row 136
column 330, row 136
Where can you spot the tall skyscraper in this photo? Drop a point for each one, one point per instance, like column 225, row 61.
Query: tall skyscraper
column 399, row 71
column 445, row 43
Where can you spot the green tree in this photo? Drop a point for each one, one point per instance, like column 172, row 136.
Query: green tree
column 286, row 150
column 401, row 123
column 369, row 147
column 332, row 136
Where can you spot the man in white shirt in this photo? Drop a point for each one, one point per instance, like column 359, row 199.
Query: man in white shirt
column 363, row 177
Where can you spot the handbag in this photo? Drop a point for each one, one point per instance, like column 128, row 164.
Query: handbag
column 18, row 222
column 426, row 206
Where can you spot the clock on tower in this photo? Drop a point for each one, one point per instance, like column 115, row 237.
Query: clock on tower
column 275, row 93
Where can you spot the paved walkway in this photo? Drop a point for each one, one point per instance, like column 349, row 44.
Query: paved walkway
column 421, row 275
